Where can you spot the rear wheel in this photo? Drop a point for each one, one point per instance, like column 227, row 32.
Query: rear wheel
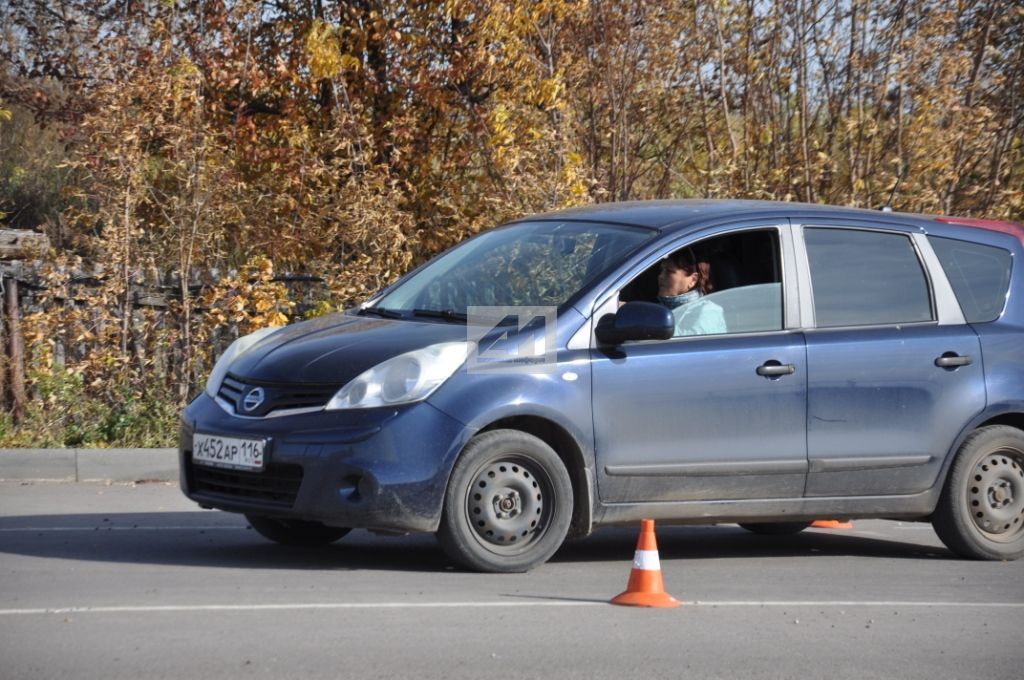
column 981, row 512
column 776, row 528
column 295, row 531
column 508, row 504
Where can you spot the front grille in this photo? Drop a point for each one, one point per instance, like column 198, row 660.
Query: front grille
column 278, row 484
column 276, row 396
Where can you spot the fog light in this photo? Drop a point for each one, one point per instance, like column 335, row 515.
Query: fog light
column 349, row 488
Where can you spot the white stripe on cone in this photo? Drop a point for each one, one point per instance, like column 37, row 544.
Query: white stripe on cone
column 646, row 560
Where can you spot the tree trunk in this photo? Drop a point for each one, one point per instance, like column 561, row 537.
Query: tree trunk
column 3, row 348
column 17, row 354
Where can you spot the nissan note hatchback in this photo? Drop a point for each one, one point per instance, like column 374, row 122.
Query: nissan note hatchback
column 687, row 361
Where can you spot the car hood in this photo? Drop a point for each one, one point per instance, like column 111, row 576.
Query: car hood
column 336, row 348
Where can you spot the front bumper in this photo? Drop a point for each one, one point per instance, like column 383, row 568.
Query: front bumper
column 372, row 469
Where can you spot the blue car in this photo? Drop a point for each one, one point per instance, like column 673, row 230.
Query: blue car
column 695, row 362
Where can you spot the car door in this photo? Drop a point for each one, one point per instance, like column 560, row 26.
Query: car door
column 894, row 373
column 708, row 417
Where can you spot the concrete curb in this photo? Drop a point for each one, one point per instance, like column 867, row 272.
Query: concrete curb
column 88, row 465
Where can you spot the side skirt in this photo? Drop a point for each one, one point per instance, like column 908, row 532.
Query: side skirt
column 911, row 506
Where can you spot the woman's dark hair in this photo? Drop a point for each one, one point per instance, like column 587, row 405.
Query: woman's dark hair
column 685, row 259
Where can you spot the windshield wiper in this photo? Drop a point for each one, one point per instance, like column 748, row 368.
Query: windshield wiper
column 380, row 311
column 446, row 314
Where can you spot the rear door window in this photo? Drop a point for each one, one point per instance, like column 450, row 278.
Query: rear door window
column 979, row 274
column 866, row 278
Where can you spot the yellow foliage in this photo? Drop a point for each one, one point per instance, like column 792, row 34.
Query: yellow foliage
column 440, row 120
column 322, row 51
column 550, row 90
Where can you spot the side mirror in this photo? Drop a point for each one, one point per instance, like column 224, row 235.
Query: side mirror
column 635, row 321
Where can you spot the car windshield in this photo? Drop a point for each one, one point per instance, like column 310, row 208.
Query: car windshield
column 525, row 264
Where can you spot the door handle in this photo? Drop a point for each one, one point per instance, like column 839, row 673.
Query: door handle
column 952, row 360
column 774, row 369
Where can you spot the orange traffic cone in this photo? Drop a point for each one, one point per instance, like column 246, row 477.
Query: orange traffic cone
column 645, row 587
column 831, row 524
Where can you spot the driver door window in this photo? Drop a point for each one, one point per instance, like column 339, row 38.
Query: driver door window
column 721, row 285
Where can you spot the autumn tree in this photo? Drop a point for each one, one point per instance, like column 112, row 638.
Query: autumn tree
column 212, row 146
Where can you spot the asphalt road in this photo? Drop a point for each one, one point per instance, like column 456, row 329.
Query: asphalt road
column 119, row 581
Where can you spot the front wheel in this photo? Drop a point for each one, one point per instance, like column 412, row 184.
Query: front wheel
column 295, row 532
column 981, row 511
column 508, row 505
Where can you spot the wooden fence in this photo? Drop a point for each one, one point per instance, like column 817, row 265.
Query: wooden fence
column 154, row 314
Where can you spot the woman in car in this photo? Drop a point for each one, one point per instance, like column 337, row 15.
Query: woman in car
column 682, row 282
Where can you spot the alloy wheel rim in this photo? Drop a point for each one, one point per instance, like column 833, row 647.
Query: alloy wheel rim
column 995, row 495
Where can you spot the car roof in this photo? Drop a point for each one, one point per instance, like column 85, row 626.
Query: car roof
column 669, row 215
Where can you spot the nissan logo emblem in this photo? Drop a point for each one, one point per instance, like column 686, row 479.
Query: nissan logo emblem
column 253, row 399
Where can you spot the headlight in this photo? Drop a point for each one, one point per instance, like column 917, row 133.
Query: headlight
column 234, row 350
column 403, row 379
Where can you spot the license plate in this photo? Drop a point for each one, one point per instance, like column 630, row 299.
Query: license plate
column 227, row 452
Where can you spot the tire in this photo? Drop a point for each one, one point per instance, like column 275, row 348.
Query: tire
column 776, row 528
column 981, row 511
column 508, row 505
column 295, row 532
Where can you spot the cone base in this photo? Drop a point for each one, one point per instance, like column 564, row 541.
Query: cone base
column 634, row 599
column 831, row 524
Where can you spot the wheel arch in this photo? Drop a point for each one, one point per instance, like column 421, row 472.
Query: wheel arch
column 1012, row 419
column 1011, row 416
column 571, row 453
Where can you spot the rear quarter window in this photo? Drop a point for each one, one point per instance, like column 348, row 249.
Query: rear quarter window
column 979, row 274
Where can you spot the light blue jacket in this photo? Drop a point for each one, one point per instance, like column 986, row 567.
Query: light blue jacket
column 700, row 317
